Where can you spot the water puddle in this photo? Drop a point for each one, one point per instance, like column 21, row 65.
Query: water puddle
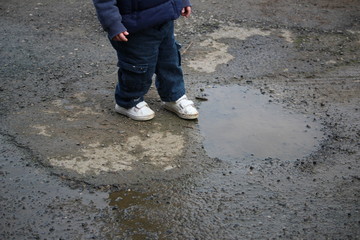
column 238, row 122
column 138, row 214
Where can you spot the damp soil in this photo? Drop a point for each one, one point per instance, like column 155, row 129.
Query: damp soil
column 274, row 154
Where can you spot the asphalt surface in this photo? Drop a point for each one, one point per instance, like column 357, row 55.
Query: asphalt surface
column 71, row 168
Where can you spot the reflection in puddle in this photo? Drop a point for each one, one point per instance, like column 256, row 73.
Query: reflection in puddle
column 137, row 214
column 126, row 198
column 239, row 122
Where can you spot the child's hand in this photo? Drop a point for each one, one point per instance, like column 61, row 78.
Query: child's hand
column 186, row 11
column 121, row 37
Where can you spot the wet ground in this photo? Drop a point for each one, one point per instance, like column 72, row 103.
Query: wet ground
column 274, row 154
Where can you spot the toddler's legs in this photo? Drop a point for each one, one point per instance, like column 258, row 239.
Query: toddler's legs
column 136, row 61
column 169, row 75
column 147, row 52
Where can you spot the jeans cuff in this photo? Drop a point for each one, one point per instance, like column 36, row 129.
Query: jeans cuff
column 174, row 97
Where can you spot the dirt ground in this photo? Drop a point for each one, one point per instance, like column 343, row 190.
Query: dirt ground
column 71, row 168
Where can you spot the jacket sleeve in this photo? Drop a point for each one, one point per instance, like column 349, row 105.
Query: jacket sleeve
column 109, row 16
column 186, row 3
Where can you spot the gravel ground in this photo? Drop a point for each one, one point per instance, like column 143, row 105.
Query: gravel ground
column 71, row 168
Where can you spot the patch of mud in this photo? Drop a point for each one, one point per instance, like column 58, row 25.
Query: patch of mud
column 214, row 52
column 158, row 149
column 76, row 134
column 212, row 58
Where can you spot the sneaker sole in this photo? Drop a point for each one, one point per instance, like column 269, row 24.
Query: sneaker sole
column 136, row 118
column 183, row 116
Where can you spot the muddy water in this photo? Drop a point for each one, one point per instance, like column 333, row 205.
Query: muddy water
column 133, row 208
column 238, row 122
column 142, row 214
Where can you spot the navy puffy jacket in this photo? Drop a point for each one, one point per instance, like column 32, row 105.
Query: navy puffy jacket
column 117, row 16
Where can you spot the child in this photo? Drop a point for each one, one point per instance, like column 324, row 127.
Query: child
column 142, row 33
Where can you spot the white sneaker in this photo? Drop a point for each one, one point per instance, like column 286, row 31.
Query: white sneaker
column 141, row 112
column 183, row 107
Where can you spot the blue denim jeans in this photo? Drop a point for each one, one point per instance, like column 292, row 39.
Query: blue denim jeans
column 153, row 50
